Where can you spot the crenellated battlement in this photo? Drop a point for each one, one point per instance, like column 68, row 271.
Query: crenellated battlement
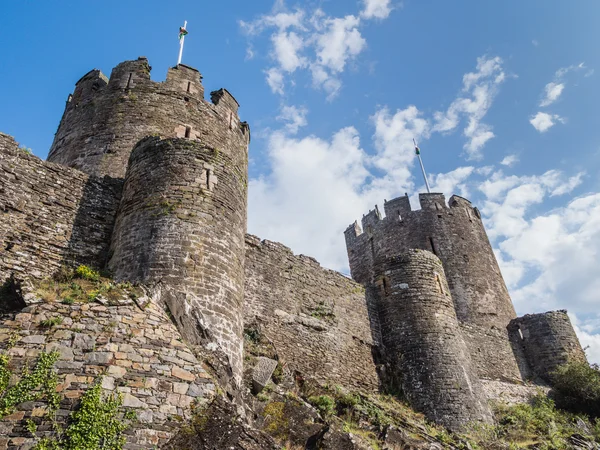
column 455, row 233
column 399, row 210
column 105, row 117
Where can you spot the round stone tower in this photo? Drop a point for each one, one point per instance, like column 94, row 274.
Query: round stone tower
column 455, row 233
column 548, row 341
column 104, row 118
column 423, row 342
column 181, row 227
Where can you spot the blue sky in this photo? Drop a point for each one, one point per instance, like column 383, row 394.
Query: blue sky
column 502, row 97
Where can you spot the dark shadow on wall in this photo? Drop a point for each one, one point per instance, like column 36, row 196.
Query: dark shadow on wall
column 94, row 222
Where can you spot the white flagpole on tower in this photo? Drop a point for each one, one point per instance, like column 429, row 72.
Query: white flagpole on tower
column 181, row 44
column 418, row 152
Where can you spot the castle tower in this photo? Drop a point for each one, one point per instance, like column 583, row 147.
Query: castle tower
column 455, row 234
column 548, row 341
column 104, row 118
column 423, row 341
column 181, row 226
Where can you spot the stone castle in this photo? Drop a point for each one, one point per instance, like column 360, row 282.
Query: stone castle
column 149, row 180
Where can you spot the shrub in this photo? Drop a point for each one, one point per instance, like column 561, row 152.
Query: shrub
column 580, row 383
column 87, row 273
column 324, row 403
column 52, row 321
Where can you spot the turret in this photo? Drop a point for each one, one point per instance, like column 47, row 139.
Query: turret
column 548, row 341
column 428, row 356
column 181, row 227
column 455, row 233
column 105, row 118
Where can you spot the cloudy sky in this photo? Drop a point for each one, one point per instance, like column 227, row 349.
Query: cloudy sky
column 501, row 96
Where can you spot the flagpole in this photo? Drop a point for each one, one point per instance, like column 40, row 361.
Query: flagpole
column 181, row 43
column 418, row 152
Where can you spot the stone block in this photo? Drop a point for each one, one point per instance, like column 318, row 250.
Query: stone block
column 261, row 374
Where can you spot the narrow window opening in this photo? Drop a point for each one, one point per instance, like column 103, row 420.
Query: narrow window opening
column 189, row 86
column 231, row 121
column 372, row 247
column 440, row 286
column 208, row 178
column 399, row 217
column 521, row 334
column 386, row 287
column 129, row 80
column 188, row 131
column 187, row 99
column 432, row 245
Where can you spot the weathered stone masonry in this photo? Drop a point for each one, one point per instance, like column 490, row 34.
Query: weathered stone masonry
column 105, row 118
column 152, row 183
column 51, row 214
column 317, row 319
column 181, row 224
column 429, row 329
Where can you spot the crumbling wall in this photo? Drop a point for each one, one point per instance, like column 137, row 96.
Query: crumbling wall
column 317, row 319
column 105, row 118
column 50, row 214
column 138, row 352
column 181, row 225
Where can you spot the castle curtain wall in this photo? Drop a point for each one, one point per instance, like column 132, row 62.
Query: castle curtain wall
column 51, row 214
column 317, row 319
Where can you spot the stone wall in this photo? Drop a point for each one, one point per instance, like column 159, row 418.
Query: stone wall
column 317, row 319
column 455, row 234
column 423, row 341
column 494, row 356
column 105, row 118
column 137, row 350
column 548, row 340
column 50, row 214
column 181, row 224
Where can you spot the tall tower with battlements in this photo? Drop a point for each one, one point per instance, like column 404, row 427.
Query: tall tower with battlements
column 183, row 162
column 455, row 234
column 105, row 117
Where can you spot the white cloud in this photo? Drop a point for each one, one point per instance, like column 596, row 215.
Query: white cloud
column 314, row 41
column 479, row 90
column 589, row 337
column 310, row 178
column 275, row 80
column 553, row 91
column 378, row 9
column 510, row 160
column 294, row 116
column 340, row 41
column 452, row 182
column 286, row 48
column 542, row 121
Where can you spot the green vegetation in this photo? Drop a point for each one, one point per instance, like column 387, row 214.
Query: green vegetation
column 324, row 403
column 579, row 383
column 83, row 285
column 86, row 273
column 537, row 425
column 97, row 424
column 277, row 424
column 52, row 321
column 37, row 384
column 26, row 150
